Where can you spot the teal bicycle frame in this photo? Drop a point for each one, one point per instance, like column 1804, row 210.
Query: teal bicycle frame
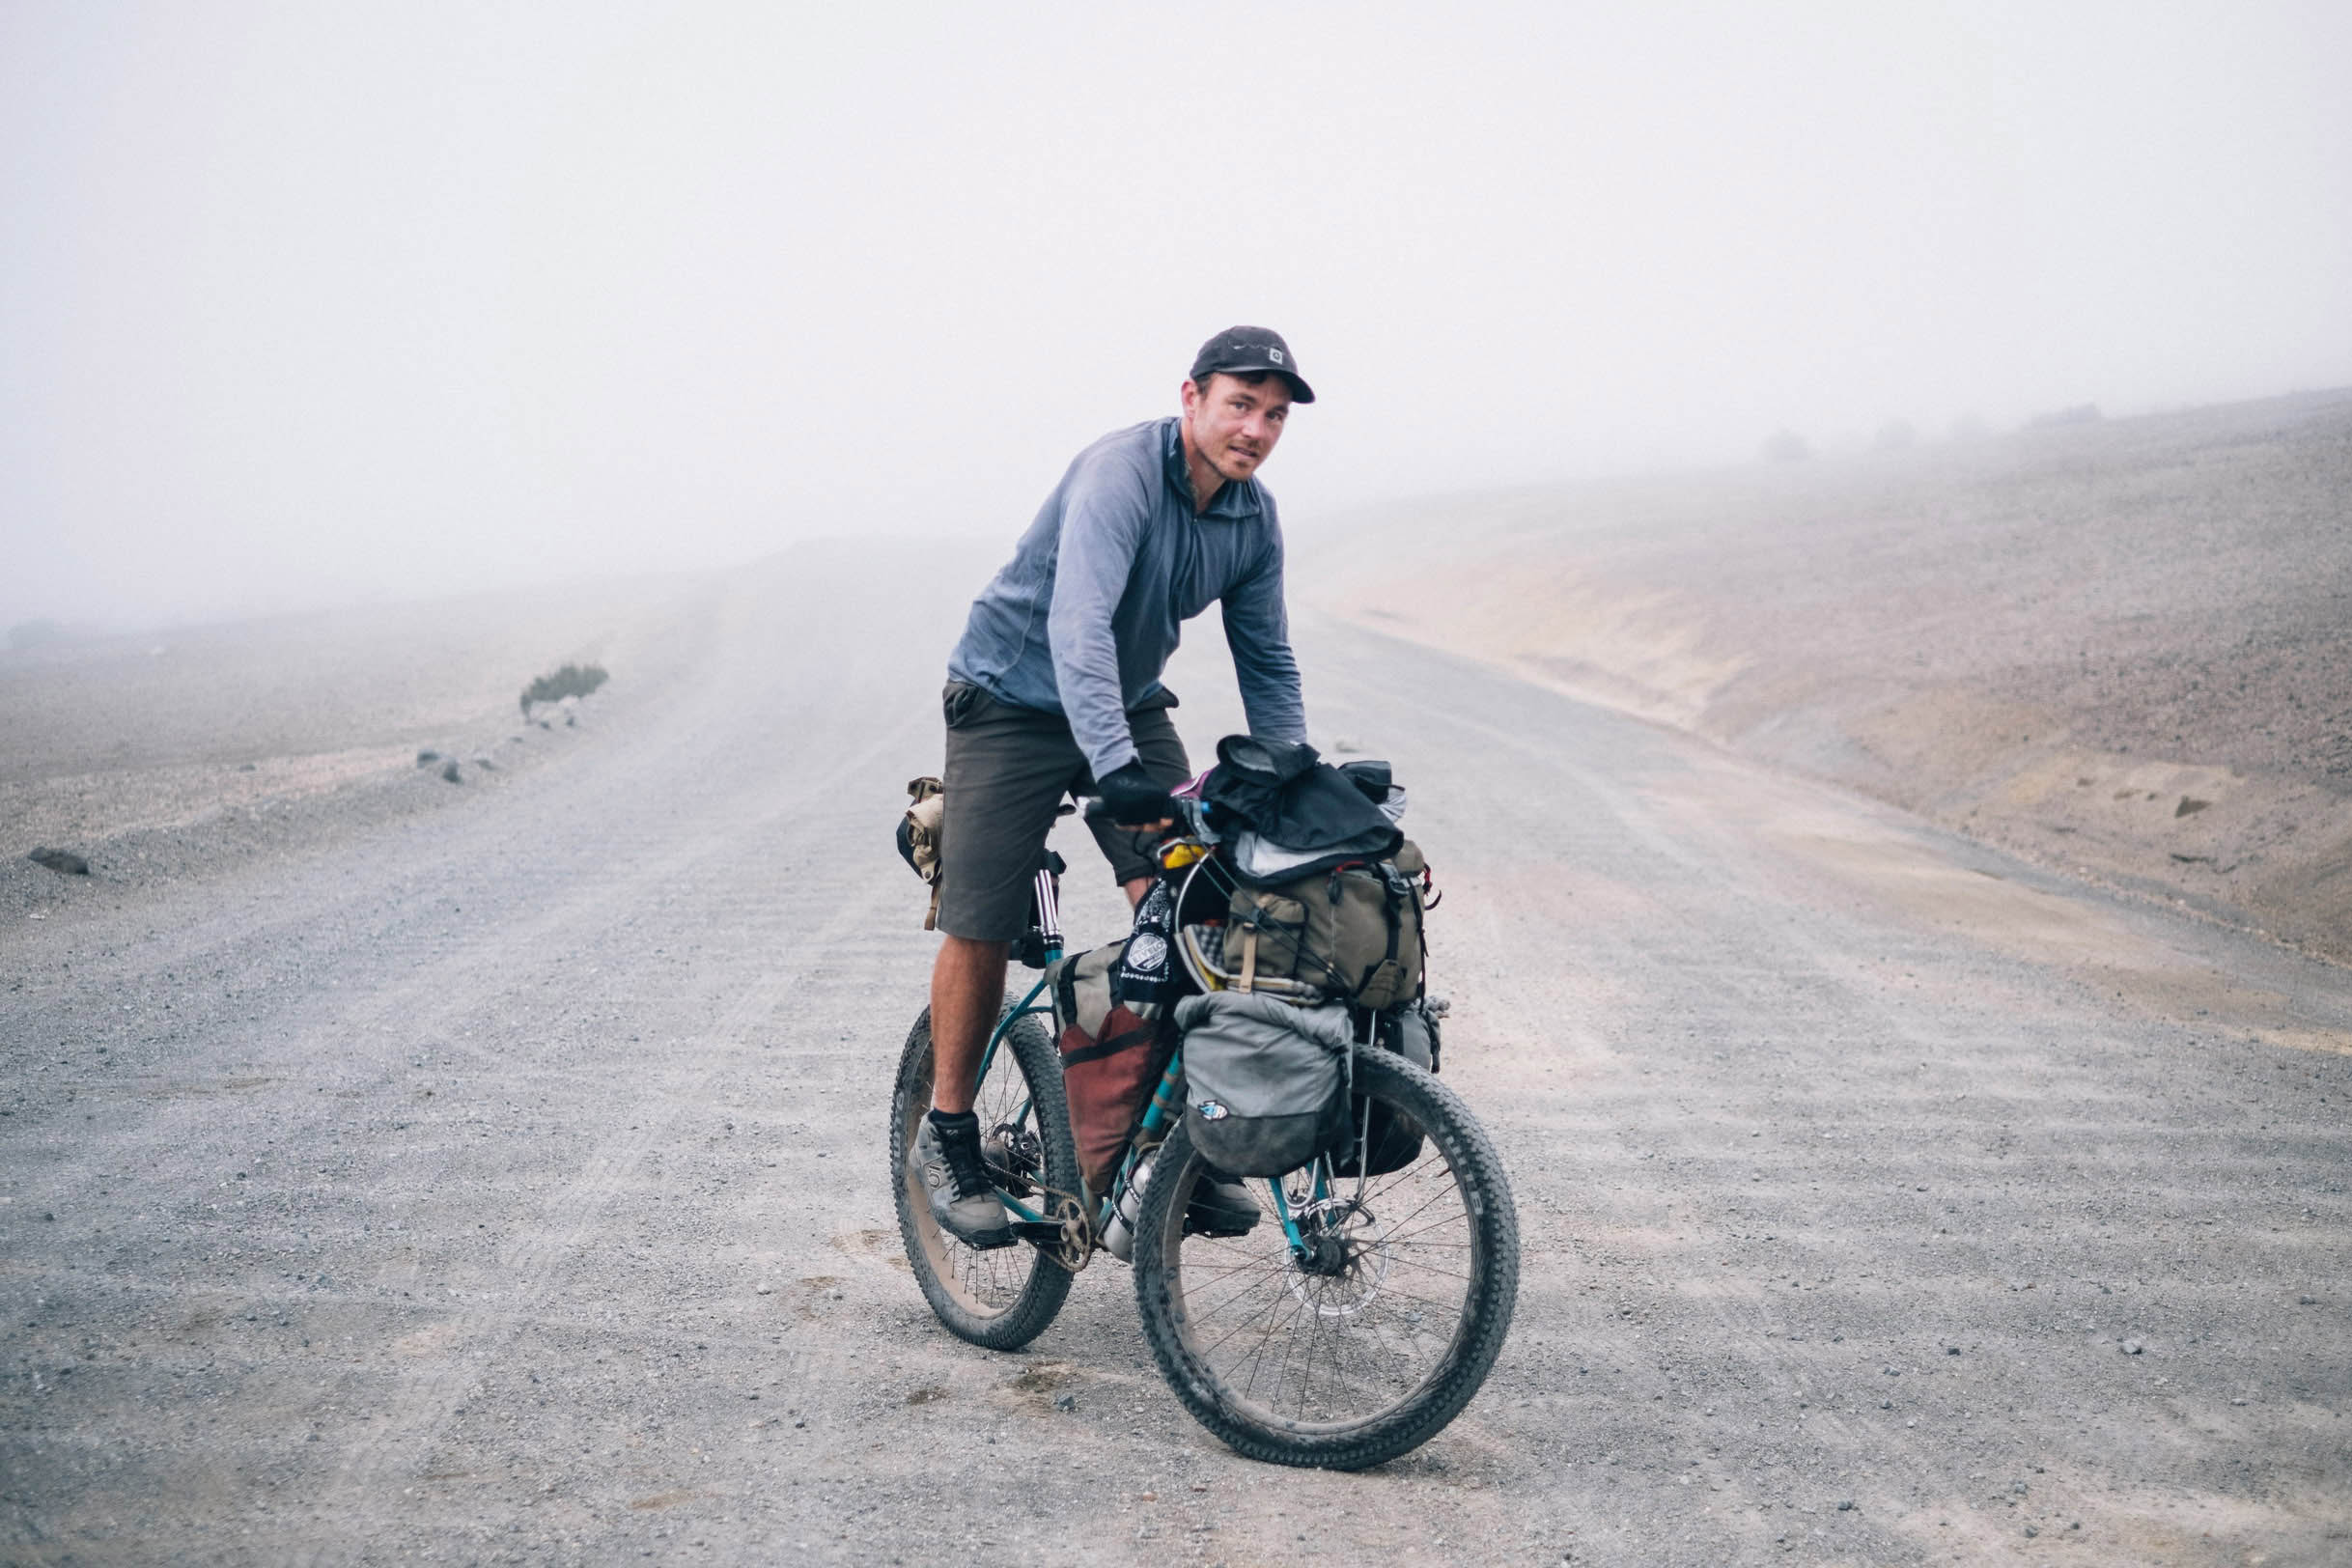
column 1148, row 1134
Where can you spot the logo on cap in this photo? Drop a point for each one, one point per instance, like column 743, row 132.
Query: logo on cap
column 1274, row 355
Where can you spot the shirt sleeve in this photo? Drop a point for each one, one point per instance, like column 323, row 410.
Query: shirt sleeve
column 1104, row 514
column 1257, row 629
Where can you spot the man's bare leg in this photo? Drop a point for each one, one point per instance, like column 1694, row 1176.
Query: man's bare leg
column 966, row 993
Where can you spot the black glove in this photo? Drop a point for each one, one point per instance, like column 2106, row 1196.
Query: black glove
column 1133, row 800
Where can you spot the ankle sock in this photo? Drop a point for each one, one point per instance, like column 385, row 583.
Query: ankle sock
column 948, row 1121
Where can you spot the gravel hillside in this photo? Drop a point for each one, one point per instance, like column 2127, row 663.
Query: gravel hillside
column 2120, row 647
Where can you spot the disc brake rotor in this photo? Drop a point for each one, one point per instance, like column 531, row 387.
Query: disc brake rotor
column 1347, row 1260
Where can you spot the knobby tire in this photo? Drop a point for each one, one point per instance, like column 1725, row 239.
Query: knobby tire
column 1352, row 1366
column 1000, row 1298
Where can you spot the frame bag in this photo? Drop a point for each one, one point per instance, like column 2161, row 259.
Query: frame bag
column 1112, row 1054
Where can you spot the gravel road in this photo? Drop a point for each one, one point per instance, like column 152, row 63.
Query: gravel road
column 501, row 1180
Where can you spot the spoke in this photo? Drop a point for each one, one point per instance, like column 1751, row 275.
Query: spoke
column 1246, row 1319
column 1447, row 1274
column 1307, row 1373
column 1428, row 1203
column 1218, row 1308
column 1456, row 1308
column 1263, row 1341
column 1412, row 1237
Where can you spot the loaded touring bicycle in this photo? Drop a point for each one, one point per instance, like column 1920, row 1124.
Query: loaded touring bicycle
column 1265, row 1020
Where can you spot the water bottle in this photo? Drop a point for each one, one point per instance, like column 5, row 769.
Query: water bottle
column 1119, row 1237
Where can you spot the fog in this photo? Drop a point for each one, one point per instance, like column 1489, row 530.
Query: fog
column 304, row 305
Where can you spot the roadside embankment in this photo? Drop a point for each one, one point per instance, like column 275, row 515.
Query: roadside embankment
column 2122, row 648
column 163, row 755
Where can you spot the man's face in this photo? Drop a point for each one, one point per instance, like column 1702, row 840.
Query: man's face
column 1234, row 425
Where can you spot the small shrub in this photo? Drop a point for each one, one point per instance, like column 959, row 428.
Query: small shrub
column 572, row 681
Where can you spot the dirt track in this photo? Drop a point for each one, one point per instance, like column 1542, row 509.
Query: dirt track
column 496, row 1176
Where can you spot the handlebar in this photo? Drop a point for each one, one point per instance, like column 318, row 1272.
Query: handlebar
column 1186, row 823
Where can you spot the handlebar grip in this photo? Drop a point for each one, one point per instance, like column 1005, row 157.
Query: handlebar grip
column 1185, row 818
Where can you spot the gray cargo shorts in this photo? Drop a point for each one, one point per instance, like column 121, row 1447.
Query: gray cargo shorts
column 1007, row 771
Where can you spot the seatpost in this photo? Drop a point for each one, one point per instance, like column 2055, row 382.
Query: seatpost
column 1050, row 909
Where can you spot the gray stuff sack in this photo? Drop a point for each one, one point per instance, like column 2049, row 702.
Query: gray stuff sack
column 1265, row 1089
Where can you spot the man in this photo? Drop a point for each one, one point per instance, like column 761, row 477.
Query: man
column 1055, row 689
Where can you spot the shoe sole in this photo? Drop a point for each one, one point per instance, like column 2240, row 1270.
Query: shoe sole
column 987, row 1241
column 1220, row 1229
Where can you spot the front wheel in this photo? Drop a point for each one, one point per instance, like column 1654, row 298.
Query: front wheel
column 1003, row 1296
column 1354, row 1333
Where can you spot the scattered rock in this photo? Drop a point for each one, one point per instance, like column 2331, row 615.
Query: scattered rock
column 2131, row 1347
column 2030, row 1531
column 427, row 757
column 2190, row 806
column 763, row 1290
column 1065, row 1401
column 449, row 771
column 2300, row 1300
column 484, row 763
column 1845, row 1505
column 63, row 861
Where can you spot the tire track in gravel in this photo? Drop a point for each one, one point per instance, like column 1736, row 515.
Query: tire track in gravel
column 559, row 1232
column 1801, row 975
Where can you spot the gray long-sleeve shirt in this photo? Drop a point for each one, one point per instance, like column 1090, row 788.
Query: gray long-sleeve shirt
column 1084, row 617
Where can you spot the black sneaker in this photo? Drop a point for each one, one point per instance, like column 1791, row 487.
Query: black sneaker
column 1220, row 1206
column 946, row 1159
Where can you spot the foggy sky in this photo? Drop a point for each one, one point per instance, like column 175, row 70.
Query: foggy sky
column 305, row 305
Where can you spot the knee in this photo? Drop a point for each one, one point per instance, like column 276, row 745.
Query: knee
column 969, row 955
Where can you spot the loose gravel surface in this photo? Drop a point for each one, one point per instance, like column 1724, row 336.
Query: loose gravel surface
column 495, row 1174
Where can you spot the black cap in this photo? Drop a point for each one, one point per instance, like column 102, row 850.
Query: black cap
column 1243, row 350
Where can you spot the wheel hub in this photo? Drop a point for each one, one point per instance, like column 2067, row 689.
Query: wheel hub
column 1342, row 1242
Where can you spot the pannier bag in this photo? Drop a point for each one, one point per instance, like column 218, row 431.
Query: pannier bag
column 918, row 837
column 1264, row 1088
column 1392, row 1139
column 1353, row 932
column 1113, row 1051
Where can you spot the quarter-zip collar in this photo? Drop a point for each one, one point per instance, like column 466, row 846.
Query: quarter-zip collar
column 1234, row 500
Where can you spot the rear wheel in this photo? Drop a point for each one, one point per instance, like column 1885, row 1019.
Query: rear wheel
column 1001, row 1297
column 1359, row 1339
